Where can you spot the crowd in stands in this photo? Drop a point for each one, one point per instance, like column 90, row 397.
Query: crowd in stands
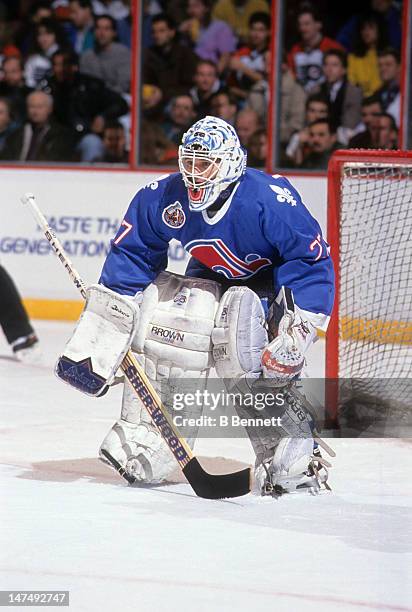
column 348, row 85
column 65, row 70
column 65, row 78
column 211, row 58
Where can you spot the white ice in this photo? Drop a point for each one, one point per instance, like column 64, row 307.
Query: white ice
column 70, row 523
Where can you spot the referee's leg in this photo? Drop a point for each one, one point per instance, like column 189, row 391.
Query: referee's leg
column 13, row 316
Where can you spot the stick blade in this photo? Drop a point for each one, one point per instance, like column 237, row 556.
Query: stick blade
column 217, row 486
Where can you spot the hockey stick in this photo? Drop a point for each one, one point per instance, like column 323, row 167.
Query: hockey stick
column 209, row 486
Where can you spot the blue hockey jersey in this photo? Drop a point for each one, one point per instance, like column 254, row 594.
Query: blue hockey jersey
column 262, row 227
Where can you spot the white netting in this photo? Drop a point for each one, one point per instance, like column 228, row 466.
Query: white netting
column 375, row 250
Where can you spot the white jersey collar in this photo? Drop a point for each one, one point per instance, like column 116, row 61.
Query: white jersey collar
column 222, row 211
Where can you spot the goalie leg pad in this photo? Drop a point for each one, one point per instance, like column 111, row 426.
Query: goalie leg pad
column 240, row 334
column 135, row 443
column 177, row 319
column 173, row 345
column 287, row 459
column 99, row 342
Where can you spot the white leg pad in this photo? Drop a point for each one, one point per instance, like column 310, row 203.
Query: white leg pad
column 136, row 444
column 240, row 334
column 172, row 343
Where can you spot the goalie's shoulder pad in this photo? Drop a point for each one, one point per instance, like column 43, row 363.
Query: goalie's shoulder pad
column 100, row 341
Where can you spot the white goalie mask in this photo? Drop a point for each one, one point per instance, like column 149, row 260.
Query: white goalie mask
column 210, row 159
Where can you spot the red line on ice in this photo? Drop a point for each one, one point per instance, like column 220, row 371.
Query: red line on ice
column 217, row 587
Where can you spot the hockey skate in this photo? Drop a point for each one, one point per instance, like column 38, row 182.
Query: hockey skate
column 26, row 350
column 297, row 466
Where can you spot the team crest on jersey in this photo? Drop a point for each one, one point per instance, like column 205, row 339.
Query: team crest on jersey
column 283, row 195
column 217, row 256
column 174, row 215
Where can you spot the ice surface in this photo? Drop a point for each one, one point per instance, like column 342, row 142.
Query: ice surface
column 69, row 522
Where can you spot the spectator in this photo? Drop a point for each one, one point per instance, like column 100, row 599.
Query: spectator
column 176, row 9
column 119, row 10
column 258, row 149
column 322, row 143
column 258, row 96
column 81, row 26
column 60, row 9
column 366, row 136
column 292, row 105
column 49, row 38
column 389, row 64
column 7, row 48
column 6, row 124
column 39, row 139
column 223, row 105
column 316, row 108
column 212, row 39
column 363, row 61
column 305, row 57
column 247, row 123
column 168, row 66
column 249, row 64
column 114, row 144
column 180, row 117
column 25, row 37
column 108, row 60
column 344, row 99
column 155, row 148
column 391, row 18
column 40, row 10
column 236, row 13
column 151, row 8
column 14, row 88
column 387, row 132
column 115, row 8
column 206, row 84
column 82, row 103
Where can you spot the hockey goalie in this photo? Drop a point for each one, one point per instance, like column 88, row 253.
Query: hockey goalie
column 257, row 287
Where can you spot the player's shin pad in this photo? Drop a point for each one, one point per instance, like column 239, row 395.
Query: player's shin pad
column 99, row 342
column 173, row 344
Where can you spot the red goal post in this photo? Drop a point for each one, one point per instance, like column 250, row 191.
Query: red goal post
column 369, row 231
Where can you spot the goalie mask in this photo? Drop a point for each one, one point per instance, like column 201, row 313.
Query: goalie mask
column 210, row 159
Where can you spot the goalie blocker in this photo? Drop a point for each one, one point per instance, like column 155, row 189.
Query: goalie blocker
column 99, row 342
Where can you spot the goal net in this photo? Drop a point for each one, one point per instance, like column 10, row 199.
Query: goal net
column 369, row 342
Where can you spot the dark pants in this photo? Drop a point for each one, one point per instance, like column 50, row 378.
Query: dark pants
column 13, row 317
